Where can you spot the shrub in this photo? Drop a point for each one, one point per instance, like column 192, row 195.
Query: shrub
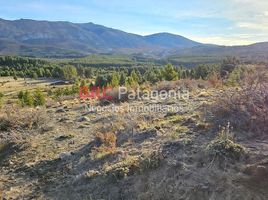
column 228, row 65
column 1, row 99
column 27, row 99
column 223, row 146
column 234, row 77
column 15, row 118
column 169, row 73
column 151, row 161
column 39, row 98
column 215, row 80
column 20, row 95
column 113, row 96
column 247, row 106
column 106, row 145
column 11, row 143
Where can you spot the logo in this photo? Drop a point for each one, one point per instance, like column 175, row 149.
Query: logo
column 94, row 93
column 110, row 93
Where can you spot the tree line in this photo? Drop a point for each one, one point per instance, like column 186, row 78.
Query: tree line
column 114, row 76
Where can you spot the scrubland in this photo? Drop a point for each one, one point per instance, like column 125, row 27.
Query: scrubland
column 215, row 146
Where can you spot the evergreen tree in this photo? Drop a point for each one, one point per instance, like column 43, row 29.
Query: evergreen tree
column 27, row 99
column 130, row 82
column 122, row 79
column 39, row 98
column 34, row 75
column 169, row 73
column 88, row 73
column 115, row 79
column 69, row 72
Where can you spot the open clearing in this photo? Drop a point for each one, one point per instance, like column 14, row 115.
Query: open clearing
column 157, row 155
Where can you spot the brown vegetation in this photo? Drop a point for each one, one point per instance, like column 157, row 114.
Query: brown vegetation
column 245, row 107
column 106, row 144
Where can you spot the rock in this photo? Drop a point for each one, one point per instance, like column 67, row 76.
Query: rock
column 64, row 119
column 83, row 126
column 258, row 173
column 89, row 112
column 60, row 110
column 64, row 137
column 66, row 155
column 47, row 128
column 92, row 173
column 140, row 137
column 83, row 119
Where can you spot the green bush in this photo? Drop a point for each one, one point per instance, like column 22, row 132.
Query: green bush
column 39, row 98
column 234, row 78
column 28, row 99
column 223, row 146
column 1, row 99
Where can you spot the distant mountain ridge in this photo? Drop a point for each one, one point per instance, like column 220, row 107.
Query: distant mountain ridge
column 22, row 36
column 65, row 39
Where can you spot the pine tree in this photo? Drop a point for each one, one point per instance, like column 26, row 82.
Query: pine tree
column 27, row 99
column 122, row 79
column 169, row 73
column 115, row 79
column 39, row 98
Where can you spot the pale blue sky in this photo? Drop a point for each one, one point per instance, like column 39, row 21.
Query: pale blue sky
column 229, row 22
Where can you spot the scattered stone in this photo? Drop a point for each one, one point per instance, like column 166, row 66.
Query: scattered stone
column 64, row 137
column 64, row 119
column 169, row 114
column 83, row 126
column 257, row 172
column 47, row 128
column 66, row 155
column 92, row 173
column 89, row 112
column 83, row 119
column 140, row 137
column 60, row 110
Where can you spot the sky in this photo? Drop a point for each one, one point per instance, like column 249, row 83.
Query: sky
column 224, row 22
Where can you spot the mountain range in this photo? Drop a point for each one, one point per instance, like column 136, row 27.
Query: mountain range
column 27, row 37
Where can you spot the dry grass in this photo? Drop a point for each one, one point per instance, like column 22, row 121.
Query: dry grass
column 246, row 107
column 16, row 118
column 106, row 145
column 186, row 84
column 223, row 146
column 215, row 81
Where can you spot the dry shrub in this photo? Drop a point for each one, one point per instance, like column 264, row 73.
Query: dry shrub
column 185, row 84
column 16, row 118
column 106, row 144
column 113, row 96
column 224, row 146
column 245, row 107
column 11, row 142
column 215, row 81
column 166, row 85
column 192, row 84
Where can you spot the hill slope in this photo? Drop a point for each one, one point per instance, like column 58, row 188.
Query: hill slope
column 43, row 37
column 65, row 39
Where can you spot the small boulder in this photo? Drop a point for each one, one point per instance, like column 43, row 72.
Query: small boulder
column 66, row 155
column 83, row 119
column 60, row 110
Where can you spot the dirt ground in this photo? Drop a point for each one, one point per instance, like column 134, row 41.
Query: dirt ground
column 158, row 155
column 9, row 86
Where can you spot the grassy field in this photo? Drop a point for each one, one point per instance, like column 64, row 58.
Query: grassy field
column 8, row 86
